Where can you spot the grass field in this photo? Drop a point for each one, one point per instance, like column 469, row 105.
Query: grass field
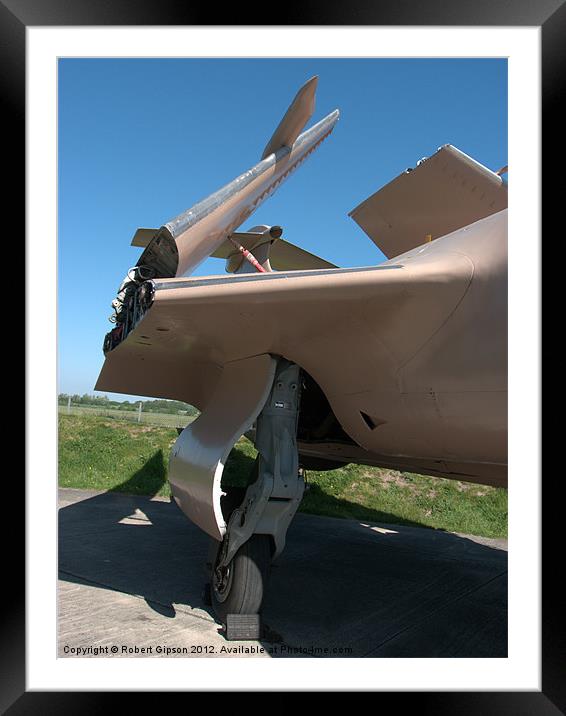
column 103, row 453
column 165, row 419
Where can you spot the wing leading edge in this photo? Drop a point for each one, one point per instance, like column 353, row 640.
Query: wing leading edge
column 384, row 340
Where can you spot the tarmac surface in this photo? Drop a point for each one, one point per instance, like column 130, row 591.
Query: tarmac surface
column 131, row 576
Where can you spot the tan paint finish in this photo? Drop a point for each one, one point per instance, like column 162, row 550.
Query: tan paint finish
column 282, row 255
column 300, row 111
column 233, row 204
column 142, row 237
column 443, row 193
column 200, row 452
column 418, row 343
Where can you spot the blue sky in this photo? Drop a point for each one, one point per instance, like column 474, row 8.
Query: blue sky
column 141, row 140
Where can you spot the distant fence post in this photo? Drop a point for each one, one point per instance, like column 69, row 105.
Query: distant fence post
column 69, row 405
column 139, row 412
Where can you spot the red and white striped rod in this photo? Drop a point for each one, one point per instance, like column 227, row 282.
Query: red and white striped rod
column 248, row 256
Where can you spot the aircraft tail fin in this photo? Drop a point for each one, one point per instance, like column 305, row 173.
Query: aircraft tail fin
column 181, row 244
column 300, row 111
column 273, row 252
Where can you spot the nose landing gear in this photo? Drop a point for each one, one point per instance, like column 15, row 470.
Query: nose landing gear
column 248, row 528
column 256, row 530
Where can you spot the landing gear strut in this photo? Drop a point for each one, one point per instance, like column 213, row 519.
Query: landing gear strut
column 256, row 529
column 248, row 528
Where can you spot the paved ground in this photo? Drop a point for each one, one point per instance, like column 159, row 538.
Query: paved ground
column 131, row 577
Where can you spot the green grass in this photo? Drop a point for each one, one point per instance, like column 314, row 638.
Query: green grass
column 170, row 420
column 101, row 453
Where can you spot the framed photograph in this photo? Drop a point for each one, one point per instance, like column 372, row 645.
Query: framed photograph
column 94, row 84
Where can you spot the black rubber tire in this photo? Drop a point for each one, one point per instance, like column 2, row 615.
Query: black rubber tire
column 249, row 574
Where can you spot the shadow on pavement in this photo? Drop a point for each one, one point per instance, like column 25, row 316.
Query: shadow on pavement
column 341, row 588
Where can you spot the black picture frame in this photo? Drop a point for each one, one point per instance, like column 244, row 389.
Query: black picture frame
column 550, row 16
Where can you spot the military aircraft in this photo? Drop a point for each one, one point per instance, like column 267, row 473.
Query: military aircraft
column 400, row 365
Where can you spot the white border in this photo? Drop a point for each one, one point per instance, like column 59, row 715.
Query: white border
column 521, row 670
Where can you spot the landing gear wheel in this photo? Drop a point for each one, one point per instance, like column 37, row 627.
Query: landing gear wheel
column 239, row 587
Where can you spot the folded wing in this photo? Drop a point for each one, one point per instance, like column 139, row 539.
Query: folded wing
column 443, row 193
